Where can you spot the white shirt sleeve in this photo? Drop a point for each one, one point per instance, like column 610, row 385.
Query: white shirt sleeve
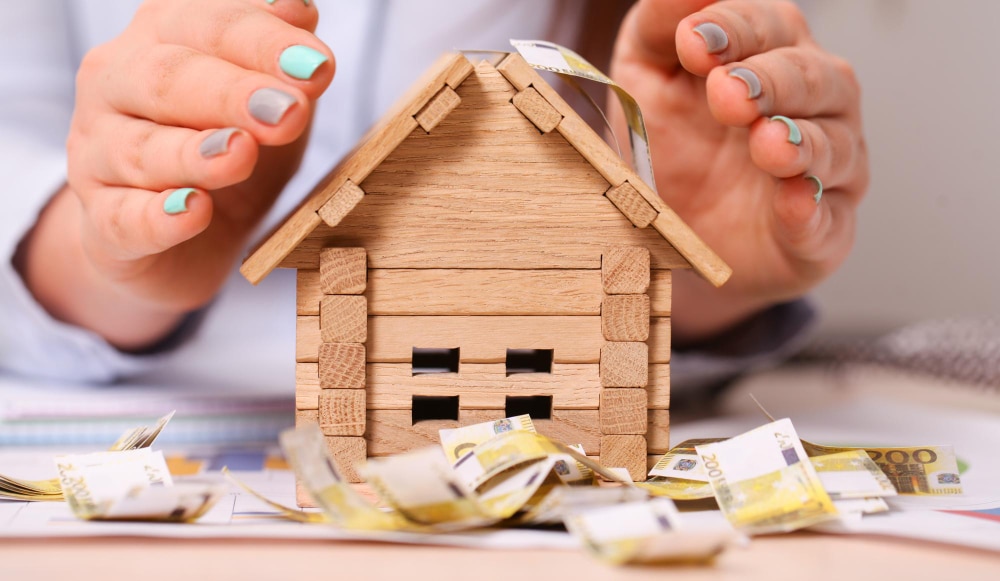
column 38, row 62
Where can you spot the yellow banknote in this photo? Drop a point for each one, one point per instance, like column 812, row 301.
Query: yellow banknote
column 456, row 442
column 764, row 482
column 851, row 474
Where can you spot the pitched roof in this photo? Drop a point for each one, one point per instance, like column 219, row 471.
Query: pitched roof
column 337, row 193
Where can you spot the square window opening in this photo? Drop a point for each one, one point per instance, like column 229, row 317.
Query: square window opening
column 529, row 361
column 433, row 407
column 434, row 360
column 539, row 407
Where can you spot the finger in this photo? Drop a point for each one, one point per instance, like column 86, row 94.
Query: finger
column 649, row 31
column 826, row 147
column 738, row 29
column 130, row 152
column 175, row 85
column 254, row 36
column 795, row 82
column 816, row 234
column 130, row 223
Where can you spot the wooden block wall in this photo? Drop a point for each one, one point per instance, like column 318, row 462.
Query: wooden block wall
column 332, row 392
column 624, row 367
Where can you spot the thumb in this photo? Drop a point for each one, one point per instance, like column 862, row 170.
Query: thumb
column 649, row 31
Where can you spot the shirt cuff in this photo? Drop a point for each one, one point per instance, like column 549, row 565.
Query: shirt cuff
column 765, row 340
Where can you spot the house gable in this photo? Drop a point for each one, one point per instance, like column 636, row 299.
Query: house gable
column 484, row 189
column 448, row 74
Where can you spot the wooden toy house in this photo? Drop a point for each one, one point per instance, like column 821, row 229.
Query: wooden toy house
column 483, row 253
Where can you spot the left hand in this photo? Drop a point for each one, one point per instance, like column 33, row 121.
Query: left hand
column 729, row 170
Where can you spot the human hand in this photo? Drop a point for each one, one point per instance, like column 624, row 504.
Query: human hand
column 710, row 77
column 186, row 128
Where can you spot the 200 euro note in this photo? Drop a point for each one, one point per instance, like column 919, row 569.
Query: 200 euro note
column 764, row 482
column 132, row 485
column 49, row 489
column 850, row 475
column 917, row 470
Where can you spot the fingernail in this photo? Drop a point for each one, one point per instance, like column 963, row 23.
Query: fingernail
column 794, row 135
column 272, row 2
column 269, row 105
column 819, row 188
column 715, row 38
column 217, row 142
column 176, row 202
column 301, row 61
column 748, row 77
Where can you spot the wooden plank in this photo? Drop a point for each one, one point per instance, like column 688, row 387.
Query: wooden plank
column 651, row 460
column 340, row 203
column 660, row 293
column 279, row 244
column 483, row 292
column 342, row 366
column 625, row 317
column 659, row 340
column 623, row 410
column 437, row 108
column 658, row 389
column 391, row 431
column 483, row 385
column 306, row 386
column 342, row 412
column 343, row 271
column 625, row 270
column 543, row 115
column 308, row 294
column 431, row 291
column 485, row 339
column 628, row 200
column 344, row 319
column 624, row 364
column 307, row 339
column 658, row 431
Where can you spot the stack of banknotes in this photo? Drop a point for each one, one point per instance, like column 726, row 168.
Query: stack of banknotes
column 503, row 473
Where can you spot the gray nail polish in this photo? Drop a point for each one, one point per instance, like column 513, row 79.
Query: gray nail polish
column 715, row 38
column 269, row 105
column 217, row 142
column 748, row 77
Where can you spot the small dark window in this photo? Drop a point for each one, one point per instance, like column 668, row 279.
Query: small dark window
column 434, row 407
column 529, row 361
column 539, row 407
column 434, row 360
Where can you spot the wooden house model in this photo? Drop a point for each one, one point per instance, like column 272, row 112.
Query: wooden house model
column 483, row 253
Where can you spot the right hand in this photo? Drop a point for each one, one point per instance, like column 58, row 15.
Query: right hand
column 198, row 94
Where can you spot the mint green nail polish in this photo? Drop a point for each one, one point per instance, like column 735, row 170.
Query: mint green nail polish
column 301, row 61
column 176, row 202
column 819, row 188
column 794, row 135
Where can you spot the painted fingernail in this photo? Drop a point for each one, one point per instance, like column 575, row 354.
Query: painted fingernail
column 217, row 142
column 715, row 38
column 176, row 202
column 305, row 1
column 301, row 61
column 269, row 105
column 819, row 188
column 748, row 77
column 794, row 135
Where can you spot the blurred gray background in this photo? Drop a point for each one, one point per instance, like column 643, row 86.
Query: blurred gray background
column 928, row 233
